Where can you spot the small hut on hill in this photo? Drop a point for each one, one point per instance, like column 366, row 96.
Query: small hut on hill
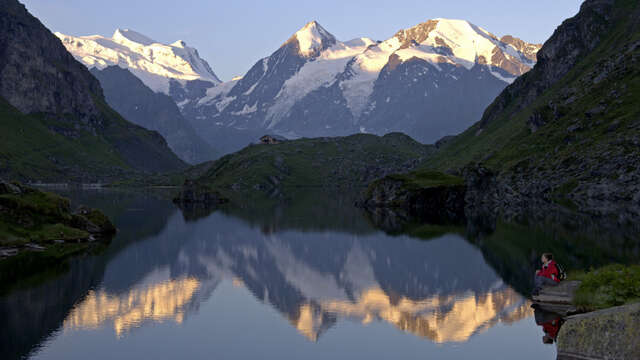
column 272, row 139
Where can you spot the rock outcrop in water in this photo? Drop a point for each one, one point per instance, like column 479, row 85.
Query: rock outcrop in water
column 427, row 196
column 31, row 219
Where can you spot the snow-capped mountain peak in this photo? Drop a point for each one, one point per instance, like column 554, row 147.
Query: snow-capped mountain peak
column 126, row 36
column 313, row 38
column 430, row 80
column 156, row 64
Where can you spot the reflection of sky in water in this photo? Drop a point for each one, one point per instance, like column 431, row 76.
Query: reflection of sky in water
column 201, row 287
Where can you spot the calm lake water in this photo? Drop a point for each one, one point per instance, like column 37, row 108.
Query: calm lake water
column 306, row 278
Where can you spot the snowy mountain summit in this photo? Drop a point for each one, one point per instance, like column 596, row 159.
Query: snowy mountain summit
column 312, row 39
column 431, row 80
column 154, row 63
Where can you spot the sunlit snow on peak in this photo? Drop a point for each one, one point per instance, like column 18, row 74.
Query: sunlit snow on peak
column 313, row 37
column 154, row 63
column 127, row 35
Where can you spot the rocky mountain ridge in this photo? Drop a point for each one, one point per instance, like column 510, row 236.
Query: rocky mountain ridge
column 567, row 132
column 431, row 80
column 56, row 125
column 154, row 111
column 157, row 65
column 442, row 69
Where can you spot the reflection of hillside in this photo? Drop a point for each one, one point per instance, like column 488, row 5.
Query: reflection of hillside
column 137, row 213
column 30, row 315
column 514, row 250
column 156, row 302
column 302, row 209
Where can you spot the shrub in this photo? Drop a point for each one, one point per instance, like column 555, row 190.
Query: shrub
column 609, row 286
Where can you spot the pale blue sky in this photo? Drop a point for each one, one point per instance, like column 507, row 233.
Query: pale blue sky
column 233, row 35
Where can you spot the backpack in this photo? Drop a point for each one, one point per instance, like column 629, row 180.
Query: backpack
column 562, row 274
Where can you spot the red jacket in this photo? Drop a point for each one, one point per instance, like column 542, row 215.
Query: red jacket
column 551, row 328
column 550, row 271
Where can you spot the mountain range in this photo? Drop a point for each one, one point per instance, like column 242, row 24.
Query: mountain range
column 429, row 81
column 159, row 66
column 562, row 136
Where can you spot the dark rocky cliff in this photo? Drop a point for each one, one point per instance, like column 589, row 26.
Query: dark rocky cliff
column 567, row 132
column 575, row 38
column 37, row 74
column 60, row 101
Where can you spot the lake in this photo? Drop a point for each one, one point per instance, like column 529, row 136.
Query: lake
column 307, row 277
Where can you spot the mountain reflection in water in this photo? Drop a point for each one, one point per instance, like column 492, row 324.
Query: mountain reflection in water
column 156, row 302
column 311, row 276
column 440, row 289
column 441, row 319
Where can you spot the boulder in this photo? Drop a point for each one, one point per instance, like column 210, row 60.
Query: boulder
column 92, row 221
column 9, row 188
column 605, row 335
column 437, row 202
column 557, row 299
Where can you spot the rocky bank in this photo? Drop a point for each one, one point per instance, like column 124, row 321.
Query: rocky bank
column 604, row 335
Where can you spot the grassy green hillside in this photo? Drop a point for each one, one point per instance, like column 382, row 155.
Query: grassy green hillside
column 329, row 162
column 590, row 114
column 30, row 150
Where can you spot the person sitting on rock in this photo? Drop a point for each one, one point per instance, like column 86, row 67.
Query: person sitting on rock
column 548, row 275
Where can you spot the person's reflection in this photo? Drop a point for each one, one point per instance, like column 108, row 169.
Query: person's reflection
column 550, row 324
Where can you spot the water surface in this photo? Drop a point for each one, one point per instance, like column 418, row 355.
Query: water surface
column 307, row 278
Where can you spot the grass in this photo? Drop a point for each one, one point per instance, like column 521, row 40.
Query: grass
column 30, row 150
column 36, row 216
column 322, row 162
column 506, row 141
column 425, row 179
column 413, row 181
column 606, row 287
column 42, row 217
